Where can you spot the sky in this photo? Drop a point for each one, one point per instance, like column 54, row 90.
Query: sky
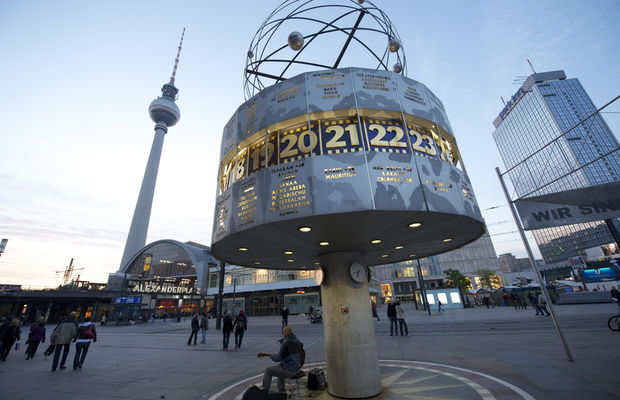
column 78, row 78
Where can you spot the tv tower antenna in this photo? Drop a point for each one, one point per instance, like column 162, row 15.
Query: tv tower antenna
column 176, row 60
column 165, row 113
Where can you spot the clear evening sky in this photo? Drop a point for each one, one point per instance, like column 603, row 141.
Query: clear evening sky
column 77, row 79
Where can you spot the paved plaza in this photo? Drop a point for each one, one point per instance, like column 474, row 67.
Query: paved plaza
column 479, row 353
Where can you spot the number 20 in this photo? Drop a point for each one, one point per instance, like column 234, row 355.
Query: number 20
column 291, row 140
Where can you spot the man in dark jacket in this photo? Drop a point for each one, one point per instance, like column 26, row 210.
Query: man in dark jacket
column 85, row 333
column 195, row 328
column 227, row 327
column 9, row 333
column 289, row 358
column 240, row 327
column 391, row 314
column 284, row 314
column 204, row 326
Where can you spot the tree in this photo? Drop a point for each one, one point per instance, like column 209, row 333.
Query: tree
column 455, row 278
column 488, row 278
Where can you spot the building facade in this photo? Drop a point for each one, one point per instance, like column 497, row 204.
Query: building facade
column 509, row 263
column 541, row 160
column 400, row 281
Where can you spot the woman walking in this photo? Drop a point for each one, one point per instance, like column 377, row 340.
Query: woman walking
column 36, row 336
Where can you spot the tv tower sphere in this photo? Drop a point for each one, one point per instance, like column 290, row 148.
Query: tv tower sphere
column 163, row 109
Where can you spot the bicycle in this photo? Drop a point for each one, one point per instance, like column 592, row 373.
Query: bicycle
column 614, row 322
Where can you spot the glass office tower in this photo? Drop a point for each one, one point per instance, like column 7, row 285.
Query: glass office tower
column 546, row 106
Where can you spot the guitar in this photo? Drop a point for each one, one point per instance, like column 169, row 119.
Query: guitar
column 264, row 355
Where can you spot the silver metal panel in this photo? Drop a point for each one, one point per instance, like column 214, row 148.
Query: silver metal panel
column 283, row 101
column 229, row 136
column 441, row 186
column 290, row 191
column 438, row 111
column 341, row 183
column 250, row 115
column 375, row 89
column 249, row 201
column 222, row 221
column 330, row 90
column 467, row 193
column 413, row 97
column 394, row 181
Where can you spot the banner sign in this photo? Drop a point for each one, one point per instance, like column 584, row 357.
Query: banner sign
column 588, row 204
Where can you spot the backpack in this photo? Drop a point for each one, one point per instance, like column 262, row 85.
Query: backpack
column 240, row 323
column 254, row 393
column 88, row 333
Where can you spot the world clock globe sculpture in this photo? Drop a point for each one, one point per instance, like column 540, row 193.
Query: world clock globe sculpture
column 335, row 162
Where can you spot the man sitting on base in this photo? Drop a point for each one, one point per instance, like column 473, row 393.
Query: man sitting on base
column 290, row 358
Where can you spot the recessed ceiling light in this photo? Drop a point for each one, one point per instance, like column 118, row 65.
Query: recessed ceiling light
column 242, row 249
column 288, row 252
column 447, row 240
column 411, row 255
column 375, row 241
column 305, row 229
column 256, row 262
column 317, row 263
column 398, row 247
column 384, row 255
column 324, row 244
column 415, row 225
column 290, row 260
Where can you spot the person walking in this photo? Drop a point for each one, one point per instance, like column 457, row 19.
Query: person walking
column 103, row 319
column 530, row 297
column 373, row 307
column 64, row 333
column 439, row 309
column 36, row 336
column 241, row 326
column 542, row 304
column 391, row 314
column 227, row 327
column 517, row 301
column 195, row 328
column 204, row 326
column 400, row 316
column 9, row 334
column 284, row 314
column 84, row 335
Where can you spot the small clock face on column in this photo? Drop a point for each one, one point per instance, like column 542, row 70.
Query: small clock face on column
column 318, row 275
column 358, row 272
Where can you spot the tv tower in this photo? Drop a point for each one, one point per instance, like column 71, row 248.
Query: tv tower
column 165, row 113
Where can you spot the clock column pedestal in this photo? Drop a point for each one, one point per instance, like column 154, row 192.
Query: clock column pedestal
column 350, row 345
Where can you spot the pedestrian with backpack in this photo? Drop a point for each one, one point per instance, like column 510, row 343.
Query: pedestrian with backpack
column 64, row 333
column 240, row 327
column 85, row 334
